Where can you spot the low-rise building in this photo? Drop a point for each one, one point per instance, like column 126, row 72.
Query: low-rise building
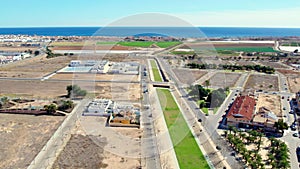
column 242, row 115
column 265, row 119
column 241, row 112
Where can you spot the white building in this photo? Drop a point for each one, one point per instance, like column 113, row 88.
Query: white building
column 99, row 107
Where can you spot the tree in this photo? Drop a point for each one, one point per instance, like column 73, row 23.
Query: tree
column 75, row 91
column 69, row 89
column 281, row 126
column 50, row 108
column 66, row 105
column 36, row 53
column 207, row 83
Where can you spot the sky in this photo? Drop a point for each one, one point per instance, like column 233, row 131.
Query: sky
column 221, row 13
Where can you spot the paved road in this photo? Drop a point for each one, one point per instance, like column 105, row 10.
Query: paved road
column 209, row 123
column 55, row 144
column 150, row 153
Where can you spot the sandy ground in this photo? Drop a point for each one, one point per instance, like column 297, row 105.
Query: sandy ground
column 98, row 47
column 50, row 89
column 81, row 152
column 23, row 136
column 294, row 83
column 275, row 65
column 188, row 76
column 263, row 82
column 17, row 49
column 90, row 76
column 224, row 80
column 95, row 146
column 34, row 67
column 271, row 102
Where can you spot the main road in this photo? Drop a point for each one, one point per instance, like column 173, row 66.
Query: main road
column 209, row 123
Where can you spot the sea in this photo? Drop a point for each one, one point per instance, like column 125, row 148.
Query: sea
column 179, row 32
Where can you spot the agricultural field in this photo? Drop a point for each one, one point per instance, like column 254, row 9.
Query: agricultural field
column 187, row 151
column 262, row 82
column 155, row 71
column 294, row 44
column 223, row 80
column 188, row 76
column 147, row 44
column 246, row 49
column 23, row 136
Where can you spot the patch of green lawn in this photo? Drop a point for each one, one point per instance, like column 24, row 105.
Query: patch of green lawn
column 106, row 43
column 186, row 148
column 167, row 44
column 205, row 110
column 155, row 71
column 146, row 44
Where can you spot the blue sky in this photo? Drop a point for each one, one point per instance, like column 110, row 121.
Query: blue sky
column 253, row 13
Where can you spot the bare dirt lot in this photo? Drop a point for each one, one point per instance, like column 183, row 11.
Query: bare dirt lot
column 224, row 79
column 294, row 83
column 271, row 102
column 23, row 136
column 17, row 48
column 102, row 144
column 55, row 89
column 293, row 78
column 275, row 65
column 189, row 76
column 91, row 76
column 34, row 67
column 262, row 82
column 81, row 152
column 102, row 47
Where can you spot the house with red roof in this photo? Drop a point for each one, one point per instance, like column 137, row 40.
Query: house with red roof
column 241, row 112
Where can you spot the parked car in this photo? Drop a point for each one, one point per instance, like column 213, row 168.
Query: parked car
column 296, row 135
column 293, row 127
column 298, row 153
column 284, row 108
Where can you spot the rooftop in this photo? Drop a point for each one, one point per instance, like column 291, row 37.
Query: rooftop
column 242, row 108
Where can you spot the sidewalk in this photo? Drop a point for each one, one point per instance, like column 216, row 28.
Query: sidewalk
column 166, row 150
column 205, row 143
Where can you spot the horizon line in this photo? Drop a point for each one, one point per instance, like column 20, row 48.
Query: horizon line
column 205, row 26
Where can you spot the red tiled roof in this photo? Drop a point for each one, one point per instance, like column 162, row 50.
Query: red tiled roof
column 242, row 108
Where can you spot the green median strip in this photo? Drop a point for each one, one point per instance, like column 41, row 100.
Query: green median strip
column 186, row 148
column 155, row 71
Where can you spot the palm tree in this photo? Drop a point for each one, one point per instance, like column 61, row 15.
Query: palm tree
column 259, row 141
column 230, row 128
column 281, row 126
column 225, row 133
column 234, row 131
